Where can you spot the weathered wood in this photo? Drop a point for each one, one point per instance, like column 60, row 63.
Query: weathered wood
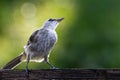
column 61, row 74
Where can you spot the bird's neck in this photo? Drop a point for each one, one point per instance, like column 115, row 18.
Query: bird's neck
column 49, row 27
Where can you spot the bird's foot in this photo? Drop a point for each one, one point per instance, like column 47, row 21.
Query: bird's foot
column 52, row 67
column 27, row 72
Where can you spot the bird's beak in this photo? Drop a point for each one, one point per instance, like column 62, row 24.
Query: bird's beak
column 60, row 19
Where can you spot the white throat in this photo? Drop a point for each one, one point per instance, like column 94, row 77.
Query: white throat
column 52, row 26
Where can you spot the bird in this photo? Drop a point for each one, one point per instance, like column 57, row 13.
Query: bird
column 39, row 45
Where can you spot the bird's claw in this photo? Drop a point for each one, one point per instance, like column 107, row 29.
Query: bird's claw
column 27, row 72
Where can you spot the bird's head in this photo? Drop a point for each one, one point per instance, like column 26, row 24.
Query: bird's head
column 52, row 23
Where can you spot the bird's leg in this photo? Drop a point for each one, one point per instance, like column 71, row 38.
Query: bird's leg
column 27, row 69
column 47, row 61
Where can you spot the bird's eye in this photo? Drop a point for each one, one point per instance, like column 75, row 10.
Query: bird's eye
column 51, row 20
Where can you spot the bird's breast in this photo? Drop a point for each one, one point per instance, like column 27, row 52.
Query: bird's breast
column 42, row 44
column 44, row 41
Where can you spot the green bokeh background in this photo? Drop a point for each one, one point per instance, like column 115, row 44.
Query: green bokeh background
column 89, row 36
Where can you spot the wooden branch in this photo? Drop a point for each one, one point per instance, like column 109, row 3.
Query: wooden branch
column 61, row 74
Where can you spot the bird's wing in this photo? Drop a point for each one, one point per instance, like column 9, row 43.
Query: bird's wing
column 32, row 37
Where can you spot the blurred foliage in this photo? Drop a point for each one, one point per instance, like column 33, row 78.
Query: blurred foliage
column 89, row 37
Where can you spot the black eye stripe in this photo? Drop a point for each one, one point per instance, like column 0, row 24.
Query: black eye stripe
column 51, row 19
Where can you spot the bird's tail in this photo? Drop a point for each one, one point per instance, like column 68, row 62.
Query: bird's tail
column 16, row 61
